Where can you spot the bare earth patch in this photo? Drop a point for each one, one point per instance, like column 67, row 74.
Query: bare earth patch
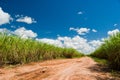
column 65, row 69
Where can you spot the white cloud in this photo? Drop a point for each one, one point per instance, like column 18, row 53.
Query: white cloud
column 80, row 31
column 80, row 12
column 76, row 42
column 113, row 32
column 95, row 43
column 115, row 25
column 21, row 32
column 24, row 33
column 71, row 28
column 25, row 19
column 4, row 30
column 93, row 30
column 51, row 41
column 79, row 43
column 4, row 17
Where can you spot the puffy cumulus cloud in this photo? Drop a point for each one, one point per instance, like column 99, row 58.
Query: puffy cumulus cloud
column 25, row 19
column 76, row 42
column 4, row 17
column 24, row 33
column 95, row 43
column 113, row 32
column 51, row 41
column 93, row 30
column 80, row 31
column 4, row 30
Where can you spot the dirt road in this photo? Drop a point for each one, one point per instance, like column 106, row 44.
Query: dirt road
column 65, row 69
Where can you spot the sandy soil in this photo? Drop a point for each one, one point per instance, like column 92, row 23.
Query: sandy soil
column 65, row 69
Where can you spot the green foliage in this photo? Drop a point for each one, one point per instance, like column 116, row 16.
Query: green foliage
column 100, row 61
column 14, row 50
column 100, row 52
column 70, row 53
column 110, row 50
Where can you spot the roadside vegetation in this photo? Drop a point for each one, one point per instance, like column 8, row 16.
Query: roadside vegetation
column 110, row 51
column 15, row 50
column 103, row 62
column 104, row 66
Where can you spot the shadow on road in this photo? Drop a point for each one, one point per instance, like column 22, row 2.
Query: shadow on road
column 103, row 70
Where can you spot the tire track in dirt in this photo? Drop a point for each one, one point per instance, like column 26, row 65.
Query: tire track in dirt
column 65, row 69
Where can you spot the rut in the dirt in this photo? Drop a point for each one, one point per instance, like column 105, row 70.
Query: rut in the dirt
column 66, row 69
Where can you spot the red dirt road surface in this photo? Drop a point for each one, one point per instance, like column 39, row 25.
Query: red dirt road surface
column 64, row 69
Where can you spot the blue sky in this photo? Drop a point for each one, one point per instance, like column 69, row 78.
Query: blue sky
column 54, row 18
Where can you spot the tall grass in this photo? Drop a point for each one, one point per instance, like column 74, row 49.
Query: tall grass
column 14, row 50
column 100, row 52
column 110, row 50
